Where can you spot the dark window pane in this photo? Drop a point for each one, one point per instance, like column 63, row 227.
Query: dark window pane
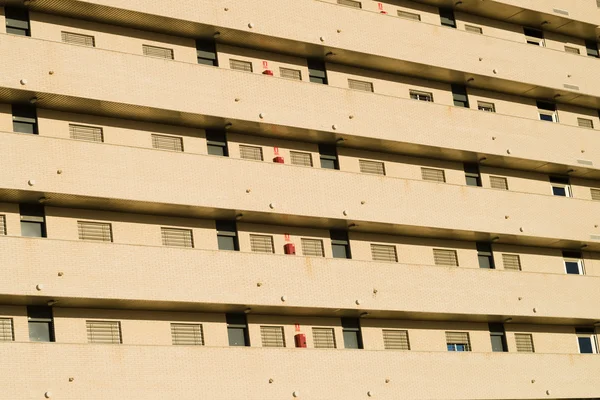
column 559, row 191
column 216, row 150
column 351, row 340
column 32, row 229
column 585, row 345
column 450, row 347
column 226, row 242
column 205, row 61
column 339, row 251
column 546, row 117
column 237, row 336
column 17, row 31
column 316, row 79
column 572, row 267
column 460, row 347
column 23, row 127
column 497, row 343
column 485, row 262
column 328, row 164
column 472, row 181
column 40, row 331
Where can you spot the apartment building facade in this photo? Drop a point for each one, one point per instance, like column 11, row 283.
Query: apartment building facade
column 318, row 199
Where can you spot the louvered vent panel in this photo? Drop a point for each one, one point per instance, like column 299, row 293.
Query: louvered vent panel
column 585, row 123
column 459, row 338
column 177, row 237
column 312, row 247
column 272, row 336
column 360, row 85
column 240, row 65
column 172, row 143
column 445, row 257
column 104, row 332
column 158, row 52
column 78, row 39
column 94, row 231
column 573, row 50
column 595, row 194
column 290, row 73
column 2, row 225
column 187, row 334
column 524, row 342
column 395, row 340
column 432, row 174
column 251, row 153
column 498, row 182
column 83, row 132
column 409, row 15
column 511, row 262
column 261, row 244
column 6, row 330
column 350, row 3
column 372, row 167
column 383, row 252
column 323, row 338
column 300, row 158
column 473, row 29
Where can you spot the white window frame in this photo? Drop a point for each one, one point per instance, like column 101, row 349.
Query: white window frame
column 417, row 94
column 593, row 339
column 553, row 114
column 580, row 264
column 566, row 186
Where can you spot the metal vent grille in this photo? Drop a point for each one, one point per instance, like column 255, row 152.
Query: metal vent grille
column 595, row 195
column 585, row 123
column 251, row 153
column 2, row 225
column 383, row 252
column 104, row 332
column 524, row 342
column 432, row 174
column 98, row 231
column 350, row 3
column 498, row 182
column 419, row 95
column 395, row 340
column 78, row 39
column 272, row 336
column 300, row 158
column 445, row 257
column 511, row 262
column 312, row 247
column 360, row 85
column 261, row 244
column 461, row 338
column 323, row 338
column 187, row 334
column 171, row 143
column 240, row 65
column 371, row 167
column 584, row 162
column 6, row 330
column 83, row 132
column 569, row 86
column 473, row 29
column 486, row 106
column 572, row 50
column 177, row 237
column 158, row 52
column 289, row 73
column 563, row 12
column 409, row 15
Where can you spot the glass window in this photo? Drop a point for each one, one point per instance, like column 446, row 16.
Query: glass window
column 586, row 338
column 216, row 143
column 340, row 245
column 472, row 175
column 237, row 336
column 457, row 347
column 227, row 235
column 498, row 337
column 32, row 229
column 352, row 333
column 560, row 186
column 485, row 255
column 237, row 330
column 329, row 157
column 41, row 324
column 573, row 262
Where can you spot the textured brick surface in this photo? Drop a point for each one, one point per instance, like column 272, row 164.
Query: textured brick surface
column 157, row 372
column 196, row 89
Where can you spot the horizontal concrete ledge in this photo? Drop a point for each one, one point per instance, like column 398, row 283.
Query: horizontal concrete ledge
column 412, row 48
column 291, row 194
column 115, row 275
column 430, row 130
column 183, row 372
